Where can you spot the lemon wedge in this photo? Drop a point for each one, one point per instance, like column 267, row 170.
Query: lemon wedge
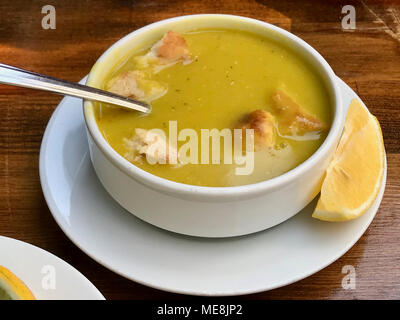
column 12, row 288
column 354, row 176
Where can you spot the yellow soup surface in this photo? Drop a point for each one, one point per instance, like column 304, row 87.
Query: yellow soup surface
column 232, row 73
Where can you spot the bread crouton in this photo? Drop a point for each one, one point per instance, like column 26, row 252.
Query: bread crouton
column 136, row 85
column 263, row 124
column 151, row 144
column 171, row 48
column 126, row 84
column 292, row 118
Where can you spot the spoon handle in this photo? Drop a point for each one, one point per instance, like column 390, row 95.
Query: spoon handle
column 23, row 78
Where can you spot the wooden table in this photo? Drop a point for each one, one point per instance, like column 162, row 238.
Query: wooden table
column 367, row 58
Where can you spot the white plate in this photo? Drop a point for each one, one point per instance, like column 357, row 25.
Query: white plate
column 47, row 276
column 138, row 251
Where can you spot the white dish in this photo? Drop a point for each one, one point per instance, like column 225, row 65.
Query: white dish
column 210, row 211
column 35, row 267
column 138, row 251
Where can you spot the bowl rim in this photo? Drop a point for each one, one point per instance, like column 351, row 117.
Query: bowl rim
column 258, row 188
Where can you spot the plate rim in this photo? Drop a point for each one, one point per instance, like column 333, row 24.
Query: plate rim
column 65, row 264
column 70, row 235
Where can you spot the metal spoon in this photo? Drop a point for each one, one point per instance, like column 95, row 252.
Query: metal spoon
column 23, row 78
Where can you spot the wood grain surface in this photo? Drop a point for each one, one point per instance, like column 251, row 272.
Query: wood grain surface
column 367, row 58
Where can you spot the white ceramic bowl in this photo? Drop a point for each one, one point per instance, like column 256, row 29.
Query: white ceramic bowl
column 210, row 211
